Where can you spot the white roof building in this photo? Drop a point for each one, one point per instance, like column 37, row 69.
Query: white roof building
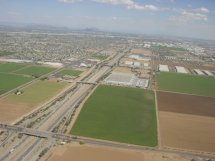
column 126, row 79
column 120, row 79
column 146, row 59
column 83, row 65
column 163, row 68
column 128, row 63
column 135, row 57
column 137, row 64
column 181, row 69
column 199, row 72
column 145, row 64
column 208, row 73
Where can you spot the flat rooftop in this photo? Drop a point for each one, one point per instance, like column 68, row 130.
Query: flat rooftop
column 199, row 72
column 163, row 68
column 120, row 78
column 126, row 79
column 180, row 69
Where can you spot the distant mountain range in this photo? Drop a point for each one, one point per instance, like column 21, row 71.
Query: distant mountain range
column 18, row 27
column 40, row 28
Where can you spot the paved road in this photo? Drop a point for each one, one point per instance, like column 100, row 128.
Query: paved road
column 51, row 121
column 74, row 100
column 48, row 108
column 64, row 137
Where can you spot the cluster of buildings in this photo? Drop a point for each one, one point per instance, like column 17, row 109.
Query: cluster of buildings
column 51, row 47
column 126, row 79
column 137, row 61
column 180, row 69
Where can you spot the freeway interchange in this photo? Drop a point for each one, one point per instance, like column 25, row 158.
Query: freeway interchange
column 43, row 135
column 27, row 147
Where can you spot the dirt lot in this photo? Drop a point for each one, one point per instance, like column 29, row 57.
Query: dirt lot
column 187, row 104
column 141, row 52
column 13, row 107
column 123, row 70
column 187, row 131
column 93, row 153
column 13, row 111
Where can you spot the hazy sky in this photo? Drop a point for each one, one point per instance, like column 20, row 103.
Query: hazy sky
column 191, row 18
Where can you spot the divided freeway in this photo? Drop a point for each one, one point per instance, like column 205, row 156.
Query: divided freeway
column 25, row 147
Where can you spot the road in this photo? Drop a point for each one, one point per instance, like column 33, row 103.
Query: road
column 24, row 150
column 49, row 109
column 91, row 141
column 69, row 106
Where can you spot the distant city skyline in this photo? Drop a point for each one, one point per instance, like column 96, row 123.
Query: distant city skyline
column 187, row 18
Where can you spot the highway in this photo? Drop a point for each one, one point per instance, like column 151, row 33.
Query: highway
column 26, row 148
column 52, row 120
column 92, row 141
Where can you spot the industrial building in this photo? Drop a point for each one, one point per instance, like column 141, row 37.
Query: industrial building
column 180, row 69
column 163, row 68
column 145, row 64
column 208, row 73
column 120, row 79
column 137, row 57
column 199, row 72
column 137, row 64
column 133, row 64
column 129, row 63
column 125, row 79
column 142, row 83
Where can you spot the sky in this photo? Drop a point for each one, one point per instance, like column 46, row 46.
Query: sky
column 186, row 18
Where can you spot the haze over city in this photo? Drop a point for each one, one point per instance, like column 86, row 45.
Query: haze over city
column 190, row 18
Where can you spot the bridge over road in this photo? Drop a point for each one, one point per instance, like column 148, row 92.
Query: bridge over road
column 63, row 137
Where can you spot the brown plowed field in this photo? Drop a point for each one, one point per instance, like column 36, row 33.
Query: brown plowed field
column 94, row 153
column 187, row 131
column 10, row 111
column 141, row 52
column 187, row 104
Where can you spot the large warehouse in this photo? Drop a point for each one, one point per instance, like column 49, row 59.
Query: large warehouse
column 199, row 72
column 208, row 73
column 126, row 79
column 120, row 78
column 163, row 68
column 180, row 69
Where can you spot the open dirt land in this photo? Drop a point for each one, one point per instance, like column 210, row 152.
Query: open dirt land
column 123, row 70
column 93, row 153
column 190, row 132
column 141, row 52
column 14, row 106
column 186, row 104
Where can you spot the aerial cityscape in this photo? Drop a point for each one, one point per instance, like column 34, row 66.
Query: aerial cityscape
column 107, row 80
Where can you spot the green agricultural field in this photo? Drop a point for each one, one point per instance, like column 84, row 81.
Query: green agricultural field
column 11, row 81
column 70, row 72
column 10, row 67
column 37, row 92
column 36, row 71
column 185, row 83
column 119, row 114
